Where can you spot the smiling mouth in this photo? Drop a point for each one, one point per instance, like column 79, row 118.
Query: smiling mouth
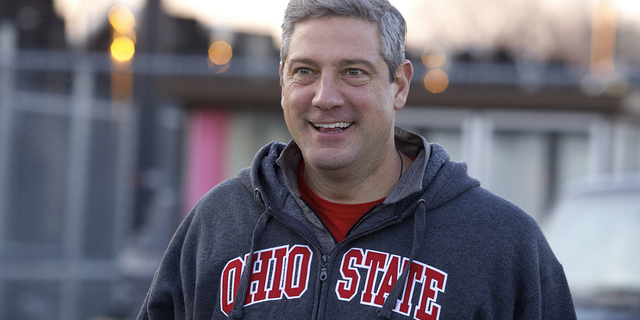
column 332, row 127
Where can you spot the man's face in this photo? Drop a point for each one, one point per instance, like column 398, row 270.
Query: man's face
column 337, row 99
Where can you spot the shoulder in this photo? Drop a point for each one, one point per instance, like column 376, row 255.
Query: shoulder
column 498, row 232
column 485, row 205
column 495, row 224
column 230, row 197
column 229, row 190
column 226, row 209
column 515, row 231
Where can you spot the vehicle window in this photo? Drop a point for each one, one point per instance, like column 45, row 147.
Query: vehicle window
column 596, row 237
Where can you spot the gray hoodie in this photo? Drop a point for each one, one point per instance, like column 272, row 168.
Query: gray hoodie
column 438, row 247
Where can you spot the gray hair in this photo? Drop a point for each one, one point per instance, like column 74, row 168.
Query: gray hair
column 391, row 24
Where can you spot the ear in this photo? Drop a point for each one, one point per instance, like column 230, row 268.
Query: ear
column 404, row 73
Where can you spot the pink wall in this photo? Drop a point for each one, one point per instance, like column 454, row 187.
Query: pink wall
column 206, row 152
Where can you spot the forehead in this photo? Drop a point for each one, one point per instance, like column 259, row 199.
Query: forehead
column 330, row 36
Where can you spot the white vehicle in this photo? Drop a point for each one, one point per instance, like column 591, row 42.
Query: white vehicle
column 594, row 230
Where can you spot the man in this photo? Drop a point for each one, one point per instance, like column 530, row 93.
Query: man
column 354, row 218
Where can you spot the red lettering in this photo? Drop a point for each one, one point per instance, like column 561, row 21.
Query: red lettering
column 266, row 275
column 257, row 290
column 391, row 274
column 434, row 282
column 229, row 282
column 298, row 264
column 347, row 289
column 275, row 292
column 274, row 271
column 280, row 270
column 375, row 262
column 415, row 275
column 391, row 267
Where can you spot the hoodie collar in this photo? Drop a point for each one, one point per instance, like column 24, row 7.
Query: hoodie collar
column 407, row 142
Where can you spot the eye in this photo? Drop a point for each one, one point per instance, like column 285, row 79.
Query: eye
column 303, row 71
column 303, row 75
column 354, row 72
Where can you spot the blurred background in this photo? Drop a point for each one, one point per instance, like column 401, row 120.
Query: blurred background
column 116, row 116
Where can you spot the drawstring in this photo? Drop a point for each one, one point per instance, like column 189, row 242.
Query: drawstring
column 238, row 304
column 420, row 219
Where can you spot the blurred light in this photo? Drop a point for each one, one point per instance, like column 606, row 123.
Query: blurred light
column 123, row 46
column 436, row 81
column 220, row 53
column 122, row 19
column 122, row 49
column 433, row 56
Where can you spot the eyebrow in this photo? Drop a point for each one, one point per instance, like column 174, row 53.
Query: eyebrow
column 302, row 60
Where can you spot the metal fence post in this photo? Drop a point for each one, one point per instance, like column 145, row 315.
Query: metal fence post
column 477, row 134
column 8, row 47
column 79, row 151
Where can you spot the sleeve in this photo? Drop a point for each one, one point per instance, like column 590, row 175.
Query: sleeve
column 552, row 299
column 165, row 298
column 556, row 298
column 161, row 301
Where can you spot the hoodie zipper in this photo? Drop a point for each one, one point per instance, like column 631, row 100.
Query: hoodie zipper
column 324, row 259
column 370, row 229
column 323, row 268
column 304, row 235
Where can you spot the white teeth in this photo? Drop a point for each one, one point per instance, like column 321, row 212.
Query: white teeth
column 341, row 125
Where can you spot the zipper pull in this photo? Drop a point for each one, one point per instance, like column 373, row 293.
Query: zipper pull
column 323, row 269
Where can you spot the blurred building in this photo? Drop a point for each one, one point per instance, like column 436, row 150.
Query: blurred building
column 100, row 159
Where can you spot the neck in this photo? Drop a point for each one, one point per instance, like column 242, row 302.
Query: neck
column 359, row 183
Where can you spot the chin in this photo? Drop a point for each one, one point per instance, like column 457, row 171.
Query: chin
column 329, row 160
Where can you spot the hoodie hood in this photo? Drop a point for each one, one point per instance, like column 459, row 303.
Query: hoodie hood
column 264, row 177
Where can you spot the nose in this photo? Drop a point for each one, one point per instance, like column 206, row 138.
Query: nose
column 327, row 95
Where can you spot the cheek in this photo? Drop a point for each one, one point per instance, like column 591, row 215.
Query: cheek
column 374, row 103
column 296, row 100
column 292, row 110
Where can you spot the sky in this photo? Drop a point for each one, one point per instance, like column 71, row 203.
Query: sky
column 456, row 23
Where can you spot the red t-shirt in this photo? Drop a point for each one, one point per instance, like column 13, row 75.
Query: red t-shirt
column 338, row 217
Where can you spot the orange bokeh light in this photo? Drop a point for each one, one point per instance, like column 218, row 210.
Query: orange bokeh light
column 436, row 81
column 122, row 49
column 433, row 56
column 220, row 53
column 122, row 19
